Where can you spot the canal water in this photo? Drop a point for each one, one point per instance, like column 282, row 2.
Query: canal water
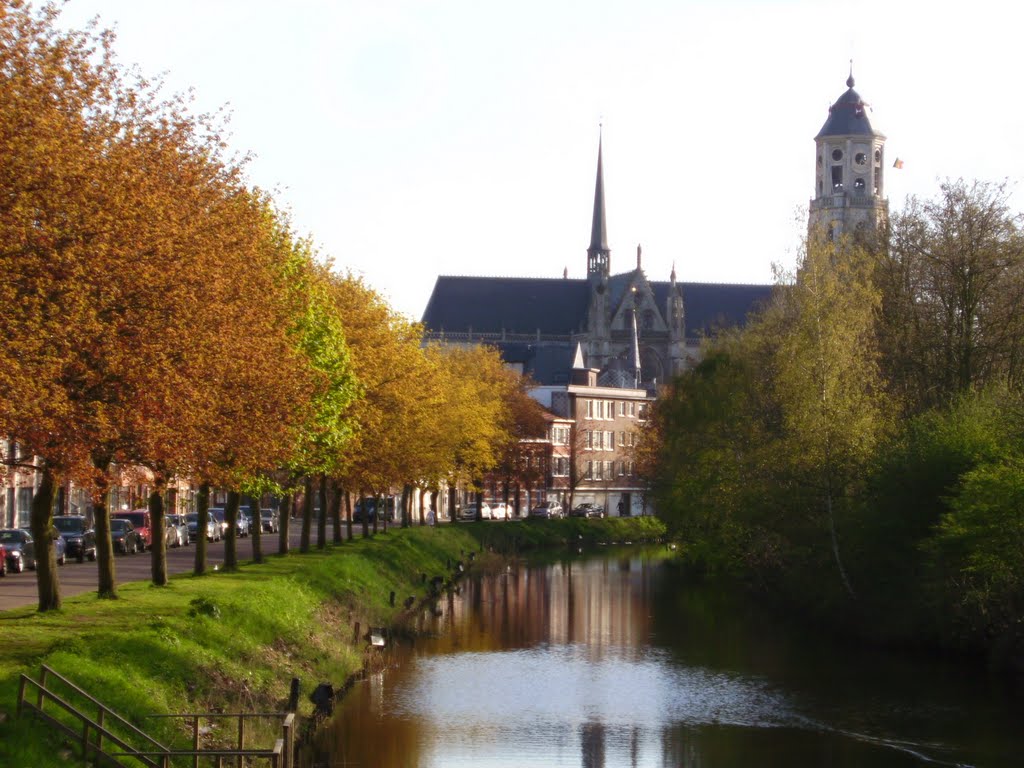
column 615, row 661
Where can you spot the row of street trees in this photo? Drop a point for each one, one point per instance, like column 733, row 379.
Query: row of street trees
column 858, row 448
column 162, row 313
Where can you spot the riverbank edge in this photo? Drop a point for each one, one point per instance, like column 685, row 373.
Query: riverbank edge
column 232, row 642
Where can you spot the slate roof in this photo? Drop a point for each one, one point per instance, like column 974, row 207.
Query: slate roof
column 512, row 304
column 559, row 307
column 848, row 116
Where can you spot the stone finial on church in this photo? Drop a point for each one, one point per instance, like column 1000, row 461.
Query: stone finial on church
column 565, row 273
column 638, row 255
column 672, row 277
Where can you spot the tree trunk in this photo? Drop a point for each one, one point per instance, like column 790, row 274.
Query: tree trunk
column 157, row 526
column 47, row 583
column 202, row 521
column 406, row 501
column 231, row 542
column 321, row 521
column 101, row 525
column 307, row 515
column 366, row 516
column 423, row 499
column 256, row 531
column 835, row 541
column 336, row 511
column 348, row 515
column 382, row 513
column 284, row 516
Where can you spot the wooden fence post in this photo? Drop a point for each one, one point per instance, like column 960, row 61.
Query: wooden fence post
column 195, row 741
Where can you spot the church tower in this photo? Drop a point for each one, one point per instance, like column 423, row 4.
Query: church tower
column 849, row 191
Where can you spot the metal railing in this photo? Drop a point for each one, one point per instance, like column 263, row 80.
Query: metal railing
column 108, row 737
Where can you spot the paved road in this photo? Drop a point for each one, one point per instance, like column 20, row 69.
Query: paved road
column 18, row 589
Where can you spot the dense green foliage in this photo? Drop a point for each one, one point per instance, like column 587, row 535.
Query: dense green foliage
column 858, row 449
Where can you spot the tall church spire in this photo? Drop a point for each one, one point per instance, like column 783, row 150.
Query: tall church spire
column 598, row 254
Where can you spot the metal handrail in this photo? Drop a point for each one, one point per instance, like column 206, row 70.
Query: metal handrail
column 280, row 756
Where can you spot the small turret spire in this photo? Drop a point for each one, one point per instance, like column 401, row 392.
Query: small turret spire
column 577, row 363
column 638, row 255
column 634, row 350
column 849, row 80
column 672, row 277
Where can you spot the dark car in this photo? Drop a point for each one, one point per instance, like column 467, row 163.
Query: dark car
column 587, row 510
column 3, row 560
column 141, row 522
column 14, row 541
column 79, row 537
column 32, row 557
column 126, row 539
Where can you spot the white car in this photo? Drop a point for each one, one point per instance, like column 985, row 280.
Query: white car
column 468, row 511
column 501, row 511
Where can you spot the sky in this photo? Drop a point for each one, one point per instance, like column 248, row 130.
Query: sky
column 417, row 138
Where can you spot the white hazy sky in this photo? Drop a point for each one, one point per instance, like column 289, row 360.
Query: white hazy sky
column 418, row 138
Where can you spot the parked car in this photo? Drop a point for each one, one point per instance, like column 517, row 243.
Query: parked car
column 79, row 537
column 217, row 514
column 141, row 523
column 468, row 511
column 58, row 545
column 587, row 510
column 270, row 521
column 179, row 526
column 13, row 541
column 212, row 527
column 243, row 525
column 366, row 507
column 501, row 511
column 125, row 537
column 3, row 560
column 546, row 510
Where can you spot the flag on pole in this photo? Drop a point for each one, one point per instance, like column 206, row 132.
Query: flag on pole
column 898, row 163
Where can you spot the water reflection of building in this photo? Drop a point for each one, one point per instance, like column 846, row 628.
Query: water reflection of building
column 597, row 605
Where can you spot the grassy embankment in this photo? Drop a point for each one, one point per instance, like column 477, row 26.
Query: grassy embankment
column 232, row 641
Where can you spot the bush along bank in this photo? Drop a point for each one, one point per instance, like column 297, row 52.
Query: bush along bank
column 227, row 642
column 233, row 642
column 574, row 532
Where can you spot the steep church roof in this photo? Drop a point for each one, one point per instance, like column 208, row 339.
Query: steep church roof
column 848, row 116
column 526, row 305
column 512, row 304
